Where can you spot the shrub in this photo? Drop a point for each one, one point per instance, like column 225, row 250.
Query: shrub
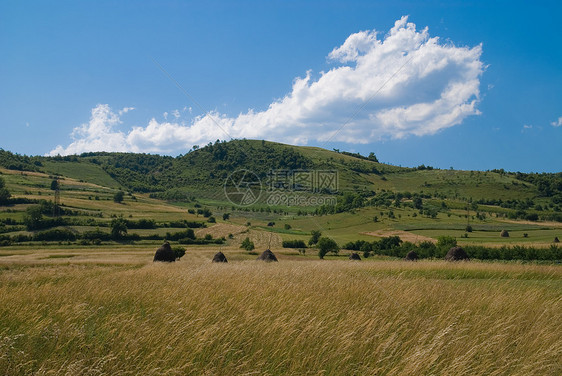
column 294, row 244
column 446, row 242
column 96, row 235
column 4, row 193
column 57, row 234
column 315, row 237
column 187, row 234
column 247, row 244
column 532, row 217
column 118, row 228
column 179, row 252
column 141, row 224
column 118, row 197
column 326, row 245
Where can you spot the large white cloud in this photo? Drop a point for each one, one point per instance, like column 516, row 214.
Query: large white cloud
column 406, row 83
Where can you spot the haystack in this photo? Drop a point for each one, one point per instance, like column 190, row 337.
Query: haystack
column 219, row 257
column 267, row 256
column 556, row 240
column 411, row 256
column 456, row 254
column 165, row 253
column 354, row 256
column 504, row 234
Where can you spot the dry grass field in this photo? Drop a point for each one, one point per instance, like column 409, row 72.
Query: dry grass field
column 71, row 312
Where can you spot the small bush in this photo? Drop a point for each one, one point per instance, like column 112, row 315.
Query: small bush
column 247, row 244
column 294, row 244
column 56, row 234
column 179, row 252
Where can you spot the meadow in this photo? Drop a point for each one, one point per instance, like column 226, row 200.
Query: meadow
column 111, row 311
column 81, row 305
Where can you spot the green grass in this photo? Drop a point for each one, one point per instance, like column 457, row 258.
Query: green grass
column 88, row 172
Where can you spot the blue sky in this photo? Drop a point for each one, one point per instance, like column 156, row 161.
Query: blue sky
column 353, row 75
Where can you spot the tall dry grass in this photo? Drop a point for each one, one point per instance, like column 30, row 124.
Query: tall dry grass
column 298, row 318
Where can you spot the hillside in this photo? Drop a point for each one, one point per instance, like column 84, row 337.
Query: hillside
column 365, row 201
column 203, row 172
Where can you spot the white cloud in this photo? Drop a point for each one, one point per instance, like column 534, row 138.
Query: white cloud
column 406, row 83
column 96, row 135
column 557, row 123
column 124, row 110
column 176, row 114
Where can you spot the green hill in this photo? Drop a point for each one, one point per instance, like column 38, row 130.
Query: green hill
column 203, row 172
column 364, row 199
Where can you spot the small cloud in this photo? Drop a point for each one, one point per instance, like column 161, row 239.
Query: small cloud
column 165, row 114
column 176, row 114
column 557, row 123
column 27, row 124
column 526, row 127
column 490, row 86
column 124, row 110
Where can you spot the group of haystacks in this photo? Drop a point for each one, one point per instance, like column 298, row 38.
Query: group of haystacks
column 166, row 254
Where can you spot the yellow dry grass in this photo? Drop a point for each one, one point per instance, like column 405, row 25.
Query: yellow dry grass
column 297, row 318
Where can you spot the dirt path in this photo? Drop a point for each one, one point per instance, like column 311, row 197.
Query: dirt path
column 404, row 235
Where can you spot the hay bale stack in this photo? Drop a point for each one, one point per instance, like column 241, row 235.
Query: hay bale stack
column 219, row 257
column 354, row 256
column 267, row 256
column 504, row 234
column 411, row 256
column 456, row 254
column 556, row 240
column 165, row 253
